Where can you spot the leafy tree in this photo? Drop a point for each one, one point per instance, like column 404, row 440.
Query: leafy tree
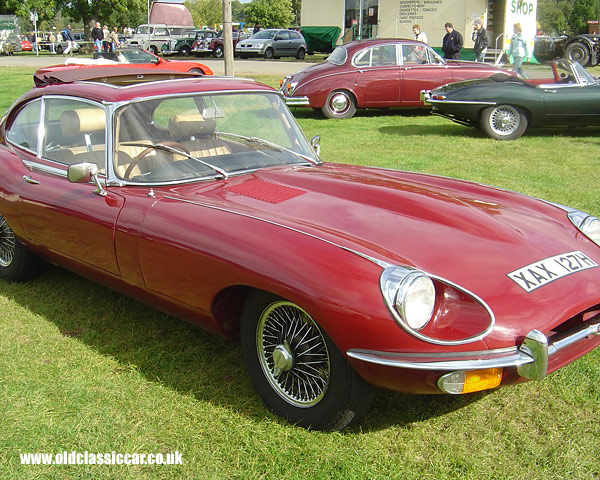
column 552, row 16
column 238, row 11
column 270, row 13
column 583, row 10
column 111, row 12
column 206, row 12
column 46, row 9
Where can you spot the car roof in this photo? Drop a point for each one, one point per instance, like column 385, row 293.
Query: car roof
column 111, row 85
column 358, row 44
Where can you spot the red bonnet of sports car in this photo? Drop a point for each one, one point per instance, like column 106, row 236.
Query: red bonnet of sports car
column 471, row 235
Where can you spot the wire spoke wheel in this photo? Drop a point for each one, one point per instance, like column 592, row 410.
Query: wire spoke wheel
column 293, row 354
column 7, row 243
column 504, row 120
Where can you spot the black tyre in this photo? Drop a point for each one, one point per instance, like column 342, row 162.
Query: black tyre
column 269, row 53
column 16, row 263
column 218, row 51
column 243, row 57
column 153, row 49
column 503, row 122
column 59, row 49
column 578, row 52
column 339, row 104
column 196, row 70
column 185, row 51
column 301, row 54
column 296, row 369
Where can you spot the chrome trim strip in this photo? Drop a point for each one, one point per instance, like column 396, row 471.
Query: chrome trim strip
column 45, row 168
column 461, row 102
column 377, row 262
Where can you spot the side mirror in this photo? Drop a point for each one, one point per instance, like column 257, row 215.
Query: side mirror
column 315, row 143
column 86, row 173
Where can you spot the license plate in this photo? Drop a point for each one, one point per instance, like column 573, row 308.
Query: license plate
column 542, row 272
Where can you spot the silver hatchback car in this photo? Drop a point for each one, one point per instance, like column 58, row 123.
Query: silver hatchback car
column 273, row 43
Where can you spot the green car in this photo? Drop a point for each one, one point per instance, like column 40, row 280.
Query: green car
column 503, row 105
column 183, row 46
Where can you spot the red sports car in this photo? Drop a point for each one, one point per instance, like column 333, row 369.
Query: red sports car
column 26, row 45
column 201, row 196
column 376, row 73
column 131, row 58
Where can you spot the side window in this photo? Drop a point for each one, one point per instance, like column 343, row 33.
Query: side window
column 75, row 132
column 160, row 32
column 384, row 55
column 295, row 36
column 283, row 36
column 363, row 58
column 414, row 55
column 24, row 130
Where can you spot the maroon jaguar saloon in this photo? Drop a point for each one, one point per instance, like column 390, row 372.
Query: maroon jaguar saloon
column 376, row 73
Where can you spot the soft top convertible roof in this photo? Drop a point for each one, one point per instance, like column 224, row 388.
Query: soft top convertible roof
column 112, row 74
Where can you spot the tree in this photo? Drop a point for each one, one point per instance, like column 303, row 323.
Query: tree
column 552, row 16
column 270, row 13
column 206, row 12
column 583, row 10
column 111, row 12
column 238, row 11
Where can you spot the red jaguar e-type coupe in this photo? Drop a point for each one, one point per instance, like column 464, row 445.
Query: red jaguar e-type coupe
column 201, row 196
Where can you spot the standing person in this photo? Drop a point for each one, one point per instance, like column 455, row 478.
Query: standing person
column 481, row 40
column 519, row 50
column 69, row 38
column 52, row 40
column 106, row 39
column 452, row 42
column 256, row 28
column 418, row 34
column 97, row 36
column 114, row 39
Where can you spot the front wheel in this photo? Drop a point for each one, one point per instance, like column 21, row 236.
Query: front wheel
column 16, row 263
column 578, row 52
column 503, row 122
column 185, row 51
column 218, row 51
column 296, row 369
column 301, row 54
column 269, row 53
column 339, row 104
column 196, row 70
column 59, row 49
column 153, row 49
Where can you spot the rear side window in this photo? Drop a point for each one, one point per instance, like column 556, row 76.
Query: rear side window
column 24, row 131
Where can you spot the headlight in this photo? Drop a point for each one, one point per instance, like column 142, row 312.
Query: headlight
column 415, row 300
column 587, row 224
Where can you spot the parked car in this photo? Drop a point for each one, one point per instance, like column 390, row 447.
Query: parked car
column 203, row 197
column 183, row 46
column 216, row 46
column 503, row 107
column 273, row 43
column 152, row 37
column 130, row 58
column 375, row 73
column 26, row 45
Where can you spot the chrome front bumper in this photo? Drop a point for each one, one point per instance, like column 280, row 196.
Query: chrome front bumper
column 530, row 359
column 297, row 101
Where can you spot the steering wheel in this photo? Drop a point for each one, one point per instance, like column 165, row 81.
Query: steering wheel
column 146, row 151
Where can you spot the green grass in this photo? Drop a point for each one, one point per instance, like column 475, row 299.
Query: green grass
column 84, row 368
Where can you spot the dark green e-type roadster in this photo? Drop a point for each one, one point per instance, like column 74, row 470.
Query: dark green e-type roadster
column 503, row 106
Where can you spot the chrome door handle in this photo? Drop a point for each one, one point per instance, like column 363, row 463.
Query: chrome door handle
column 549, row 91
column 28, row 179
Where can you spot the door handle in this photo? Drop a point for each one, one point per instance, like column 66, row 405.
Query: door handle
column 28, row 179
column 549, row 91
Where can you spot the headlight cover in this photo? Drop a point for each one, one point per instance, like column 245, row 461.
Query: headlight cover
column 586, row 224
column 433, row 309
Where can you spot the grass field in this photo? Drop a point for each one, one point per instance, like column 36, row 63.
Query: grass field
column 83, row 368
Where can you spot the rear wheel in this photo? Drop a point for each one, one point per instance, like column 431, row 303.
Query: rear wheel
column 196, row 70
column 16, row 263
column 153, row 49
column 301, row 54
column 59, row 49
column 339, row 104
column 503, row 122
column 578, row 52
column 296, row 369
column 218, row 51
column 269, row 53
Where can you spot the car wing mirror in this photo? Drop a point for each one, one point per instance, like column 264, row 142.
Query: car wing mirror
column 86, row 173
column 315, row 143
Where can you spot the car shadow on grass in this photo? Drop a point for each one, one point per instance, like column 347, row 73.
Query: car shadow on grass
column 178, row 355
